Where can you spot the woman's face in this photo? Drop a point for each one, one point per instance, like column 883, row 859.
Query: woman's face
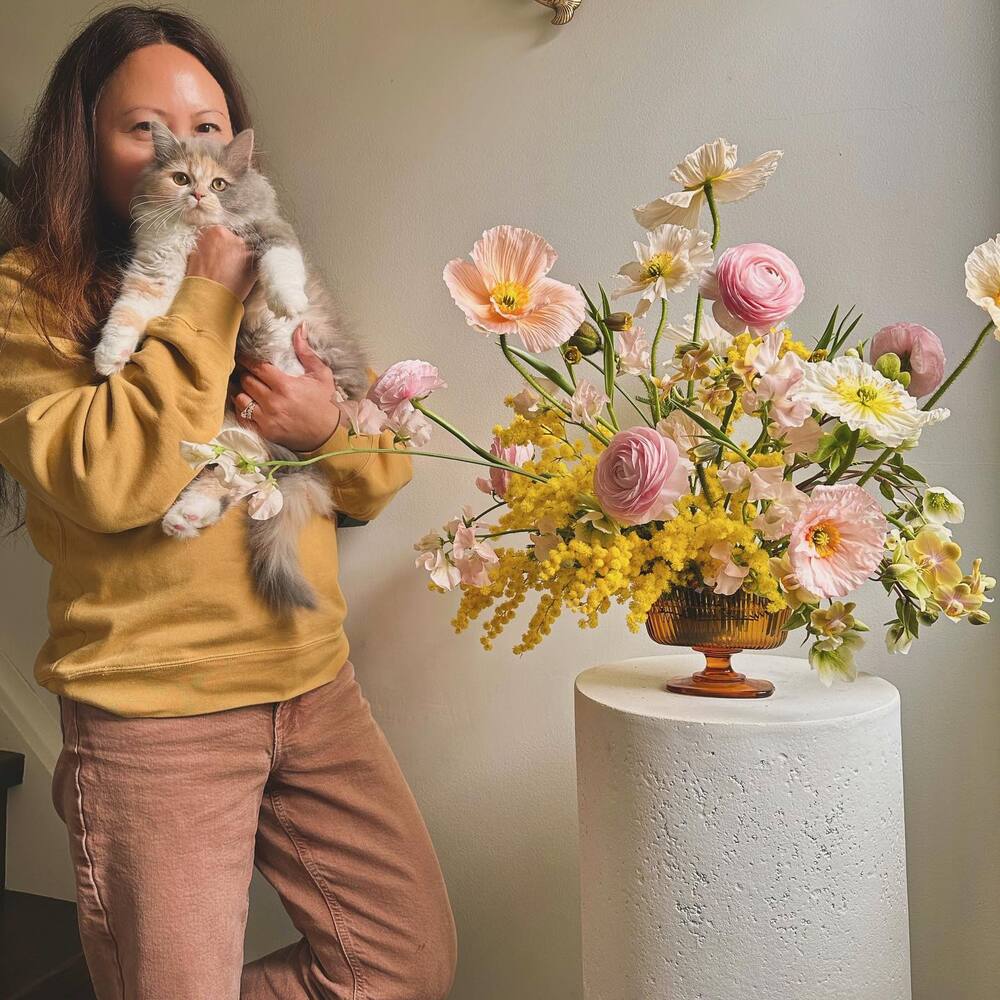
column 161, row 82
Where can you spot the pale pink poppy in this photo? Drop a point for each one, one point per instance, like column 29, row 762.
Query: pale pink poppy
column 838, row 540
column 920, row 350
column 505, row 289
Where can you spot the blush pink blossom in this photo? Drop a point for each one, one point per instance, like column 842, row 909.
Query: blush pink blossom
column 754, row 286
column 838, row 540
column 403, row 381
column 920, row 350
column 640, row 475
column 514, row 454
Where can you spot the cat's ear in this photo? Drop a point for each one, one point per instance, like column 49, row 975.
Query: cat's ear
column 239, row 151
column 165, row 144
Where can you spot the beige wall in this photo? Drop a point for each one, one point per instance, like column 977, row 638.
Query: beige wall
column 397, row 132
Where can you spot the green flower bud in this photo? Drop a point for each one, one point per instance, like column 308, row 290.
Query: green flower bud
column 979, row 618
column 586, row 339
column 903, row 378
column 619, row 321
column 889, row 365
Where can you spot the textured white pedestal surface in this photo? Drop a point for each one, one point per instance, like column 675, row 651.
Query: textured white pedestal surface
column 740, row 849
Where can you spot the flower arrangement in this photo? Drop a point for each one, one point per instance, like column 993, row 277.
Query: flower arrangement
column 756, row 460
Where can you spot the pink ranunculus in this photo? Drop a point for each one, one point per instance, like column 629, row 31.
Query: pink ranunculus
column 403, row 381
column 640, row 475
column 514, row 454
column 838, row 540
column 754, row 286
column 919, row 349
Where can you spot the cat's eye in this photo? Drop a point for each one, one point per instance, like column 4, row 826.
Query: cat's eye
column 219, row 184
column 180, row 178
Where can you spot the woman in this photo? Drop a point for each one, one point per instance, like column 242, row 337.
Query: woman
column 201, row 734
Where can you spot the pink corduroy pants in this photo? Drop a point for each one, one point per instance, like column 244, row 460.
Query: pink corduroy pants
column 167, row 818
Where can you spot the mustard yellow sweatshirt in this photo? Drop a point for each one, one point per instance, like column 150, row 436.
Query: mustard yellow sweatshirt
column 142, row 624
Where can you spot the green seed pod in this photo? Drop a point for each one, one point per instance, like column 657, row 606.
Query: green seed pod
column 572, row 354
column 586, row 339
column 903, row 378
column 979, row 618
column 889, row 365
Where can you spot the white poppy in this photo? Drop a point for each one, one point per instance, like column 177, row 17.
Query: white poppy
column 715, row 162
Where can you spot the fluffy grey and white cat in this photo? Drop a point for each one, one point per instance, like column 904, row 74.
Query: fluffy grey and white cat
column 166, row 218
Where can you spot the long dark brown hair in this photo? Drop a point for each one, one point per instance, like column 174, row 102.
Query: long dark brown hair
column 77, row 245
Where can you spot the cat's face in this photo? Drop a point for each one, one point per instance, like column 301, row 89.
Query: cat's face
column 196, row 182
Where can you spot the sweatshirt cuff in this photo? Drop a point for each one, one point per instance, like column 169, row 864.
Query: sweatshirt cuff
column 208, row 306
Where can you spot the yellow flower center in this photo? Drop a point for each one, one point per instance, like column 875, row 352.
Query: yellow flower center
column 996, row 298
column 824, row 538
column 509, row 297
column 874, row 400
column 658, row 265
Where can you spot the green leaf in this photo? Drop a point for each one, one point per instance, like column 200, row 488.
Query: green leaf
column 542, row 368
column 886, row 490
column 912, row 473
column 604, row 301
column 828, row 332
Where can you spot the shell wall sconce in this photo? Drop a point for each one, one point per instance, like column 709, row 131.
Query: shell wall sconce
column 563, row 10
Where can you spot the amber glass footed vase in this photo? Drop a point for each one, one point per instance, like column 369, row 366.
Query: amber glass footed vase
column 717, row 625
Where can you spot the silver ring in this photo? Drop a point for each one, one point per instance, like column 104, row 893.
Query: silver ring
column 247, row 411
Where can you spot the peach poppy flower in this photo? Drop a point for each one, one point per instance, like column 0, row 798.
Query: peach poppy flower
column 505, row 289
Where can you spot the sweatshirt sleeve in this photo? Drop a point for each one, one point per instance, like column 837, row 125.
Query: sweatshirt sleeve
column 105, row 452
column 362, row 485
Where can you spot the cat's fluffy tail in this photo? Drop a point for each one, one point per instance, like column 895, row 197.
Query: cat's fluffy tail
column 273, row 542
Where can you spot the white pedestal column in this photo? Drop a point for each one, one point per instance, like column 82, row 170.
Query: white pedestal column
column 740, row 849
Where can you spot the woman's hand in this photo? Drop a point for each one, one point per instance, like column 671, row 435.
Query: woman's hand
column 297, row 411
column 224, row 257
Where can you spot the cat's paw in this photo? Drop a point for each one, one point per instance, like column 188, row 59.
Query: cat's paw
column 115, row 349
column 287, row 302
column 190, row 514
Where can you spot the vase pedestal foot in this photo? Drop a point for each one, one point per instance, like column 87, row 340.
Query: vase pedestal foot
column 718, row 679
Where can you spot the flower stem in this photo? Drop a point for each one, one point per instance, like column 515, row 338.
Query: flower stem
column 278, row 462
column 699, row 305
column 534, row 385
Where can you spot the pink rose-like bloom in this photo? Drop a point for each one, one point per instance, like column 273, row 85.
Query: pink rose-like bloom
column 919, row 349
column 838, row 540
column 754, row 285
column 640, row 475
column 403, row 381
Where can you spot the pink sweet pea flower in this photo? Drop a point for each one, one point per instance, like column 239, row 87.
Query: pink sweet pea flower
column 514, row 454
column 838, row 540
column 403, row 381
column 472, row 556
column 640, row 475
column 728, row 578
column 754, row 286
column 920, row 351
column 505, row 289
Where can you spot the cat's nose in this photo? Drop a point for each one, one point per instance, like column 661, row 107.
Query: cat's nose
column 197, row 195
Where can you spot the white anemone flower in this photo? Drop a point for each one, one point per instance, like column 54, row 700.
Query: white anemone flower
column 709, row 333
column 864, row 399
column 941, row 506
column 715, row 162
column 982, row 279
column 674, row 257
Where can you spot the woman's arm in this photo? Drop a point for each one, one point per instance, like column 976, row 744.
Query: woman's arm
column 106, row 453
column 362, row 485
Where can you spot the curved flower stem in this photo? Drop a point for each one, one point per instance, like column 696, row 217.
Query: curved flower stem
column 945, row 386
column 534, row 385
column 635, row 405
column 277, row 462
column 654, row 396
column 699, row 305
